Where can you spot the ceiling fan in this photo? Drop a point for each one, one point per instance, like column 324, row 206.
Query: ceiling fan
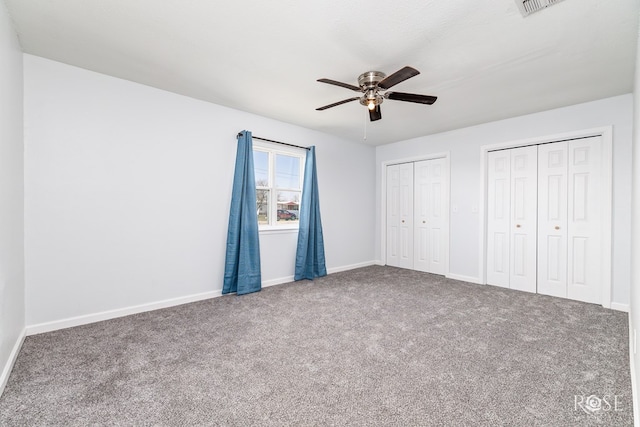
column 373, row 85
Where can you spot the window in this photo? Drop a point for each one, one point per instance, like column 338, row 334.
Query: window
column 278, row 172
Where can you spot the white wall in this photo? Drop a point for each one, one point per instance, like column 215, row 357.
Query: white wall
column 127, row 193
column 635, row 242
column 11, row 197
column 464, row 146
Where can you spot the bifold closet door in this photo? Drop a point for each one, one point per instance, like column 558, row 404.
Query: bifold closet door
column 498, row 217
column 400, row 215
column 552, row 219
column 569, row 236
column 562, row 196
column 512, row 218
column 430, row 221
column 524, row 218
column 584, row 243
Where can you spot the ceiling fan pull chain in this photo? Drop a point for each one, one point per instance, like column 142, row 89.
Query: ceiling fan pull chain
column 365, row 128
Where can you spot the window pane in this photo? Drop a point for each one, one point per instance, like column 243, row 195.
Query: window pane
column 262, row 201
column 288, row 206
column 287, row 171
column 261, row 168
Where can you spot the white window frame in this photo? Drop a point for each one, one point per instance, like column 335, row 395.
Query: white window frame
column 272, row 149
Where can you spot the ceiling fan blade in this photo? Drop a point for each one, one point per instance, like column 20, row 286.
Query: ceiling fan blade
column 398, row 77
column 344, row 101
column 375, row 114
column 411, row 97
column 345, row 85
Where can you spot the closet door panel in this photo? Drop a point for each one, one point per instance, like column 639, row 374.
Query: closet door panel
column 552, row 219
column 498, row 215
column 436, row 221
column 422, row 213
column 584, row 222
column 430, row 216
column 524, row 214
column 393, row 215
column 406, row 216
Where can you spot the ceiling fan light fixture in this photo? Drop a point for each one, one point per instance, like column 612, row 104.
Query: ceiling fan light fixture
column 371, row 100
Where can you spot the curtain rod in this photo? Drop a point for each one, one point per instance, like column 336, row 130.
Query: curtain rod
column 275, row 142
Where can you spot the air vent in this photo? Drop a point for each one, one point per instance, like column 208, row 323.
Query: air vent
column 527, row 7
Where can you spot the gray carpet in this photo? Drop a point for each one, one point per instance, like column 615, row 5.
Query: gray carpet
column 373, row 346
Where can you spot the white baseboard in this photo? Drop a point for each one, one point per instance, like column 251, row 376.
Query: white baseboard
column 8, row 367
column 620, row 307
column 462, row 278
column 120, row 312
column 351, row 267
column 289, row 279
column 280, row 281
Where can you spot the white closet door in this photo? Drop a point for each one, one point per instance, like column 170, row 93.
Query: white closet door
column 584, row 234
column 430, row 216
column 421, row 208
column 524, row 218
column 498, row 215
column 406, row 216
column 437, row 220
column 552, row 219
column 393, row 215
column 400, row 215
column 544, row 213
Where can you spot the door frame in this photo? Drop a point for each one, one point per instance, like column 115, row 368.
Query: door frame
column 606, row 133
column 383, row 197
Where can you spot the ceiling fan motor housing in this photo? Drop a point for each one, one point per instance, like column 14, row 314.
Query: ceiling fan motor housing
column 370, row 79
column 369, row 84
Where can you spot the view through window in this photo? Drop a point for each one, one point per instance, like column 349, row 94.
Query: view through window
column 278, row 174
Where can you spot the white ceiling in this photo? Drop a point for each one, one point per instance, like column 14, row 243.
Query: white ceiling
column 482, row 59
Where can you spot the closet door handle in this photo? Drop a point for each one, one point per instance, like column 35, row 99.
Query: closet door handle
column 557, row 227
column 403, row 221
column 517, row 225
